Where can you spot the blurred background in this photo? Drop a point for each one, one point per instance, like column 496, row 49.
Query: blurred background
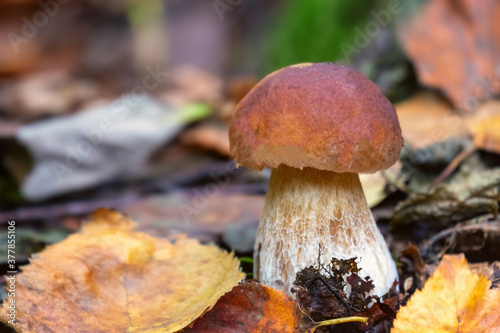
column 126, row 104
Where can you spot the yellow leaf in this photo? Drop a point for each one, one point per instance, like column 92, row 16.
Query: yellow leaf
column 111, row 279
column 486, row 133
column 249, row 308
column 454, row 299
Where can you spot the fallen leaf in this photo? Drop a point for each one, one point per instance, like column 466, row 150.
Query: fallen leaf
column 454, row 299
column 240, row 86
column 475, row 238
column 337, row 290
column 208, row 136
column 442, row 206
column 51, row 141
column 427, row 118
column 486, row 134
column 432, row 159
column 251, row 307
column 192, row 85
column 203, row 214
column 415, row 265
column 453, row 45
column 44, row 93
column 471, row 191
column 490, row 270
column 111, row 279
column 255, row 308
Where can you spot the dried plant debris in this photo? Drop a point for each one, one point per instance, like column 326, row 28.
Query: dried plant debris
column 442, row 207
column 472, row 190
column 435, row 157
column 486, row 133
column 110, row 278
column 453, row 45
column 338, row 290
column 420, row 167
column 414, row 271
column 476, row 238
column 490, row 270
column 454, row 299
column 251, row 307
column 427, row 117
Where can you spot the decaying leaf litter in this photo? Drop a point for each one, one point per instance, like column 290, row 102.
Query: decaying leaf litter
column 442, row 195
column 125, row 280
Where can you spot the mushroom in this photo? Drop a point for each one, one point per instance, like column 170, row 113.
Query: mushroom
column 317, row 126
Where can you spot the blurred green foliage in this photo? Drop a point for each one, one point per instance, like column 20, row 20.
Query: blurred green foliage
column 9, row 190
column 343, row 31
column 313, row 30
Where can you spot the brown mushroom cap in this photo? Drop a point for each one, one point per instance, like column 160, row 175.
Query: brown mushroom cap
column 324, row 116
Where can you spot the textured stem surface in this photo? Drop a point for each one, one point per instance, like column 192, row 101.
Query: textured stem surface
column 308, row 210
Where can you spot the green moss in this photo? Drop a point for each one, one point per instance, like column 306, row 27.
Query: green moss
column 313, row 30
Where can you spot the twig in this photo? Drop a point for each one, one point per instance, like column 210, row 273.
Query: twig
column 335, row 292
column 452, row 166
column 488, row 227
column 342, row 320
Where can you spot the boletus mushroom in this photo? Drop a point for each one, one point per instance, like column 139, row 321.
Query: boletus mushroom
column 317, row 126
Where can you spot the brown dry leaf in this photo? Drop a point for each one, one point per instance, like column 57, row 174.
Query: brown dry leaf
column 454, row 299
column 426, row 118
column 476, row 238
column 192, row 85
column 202, row 214
column 490, row 270
column 44, row 93
column 415, row 265
column 111, row 279
column 252, row 307
column 255, row 308
column 240, row 86
column 321, row 293
column 454, row 46
column 208, row 136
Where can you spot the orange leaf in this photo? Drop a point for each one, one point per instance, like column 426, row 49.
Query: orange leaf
column 426, row 118
column 454, row 299
column 249, row 308
column 453, row 44
column 111, row 279
column 486, row 133
column 255, row 308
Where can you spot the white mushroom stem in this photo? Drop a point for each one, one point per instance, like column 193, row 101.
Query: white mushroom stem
column 308, row 210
